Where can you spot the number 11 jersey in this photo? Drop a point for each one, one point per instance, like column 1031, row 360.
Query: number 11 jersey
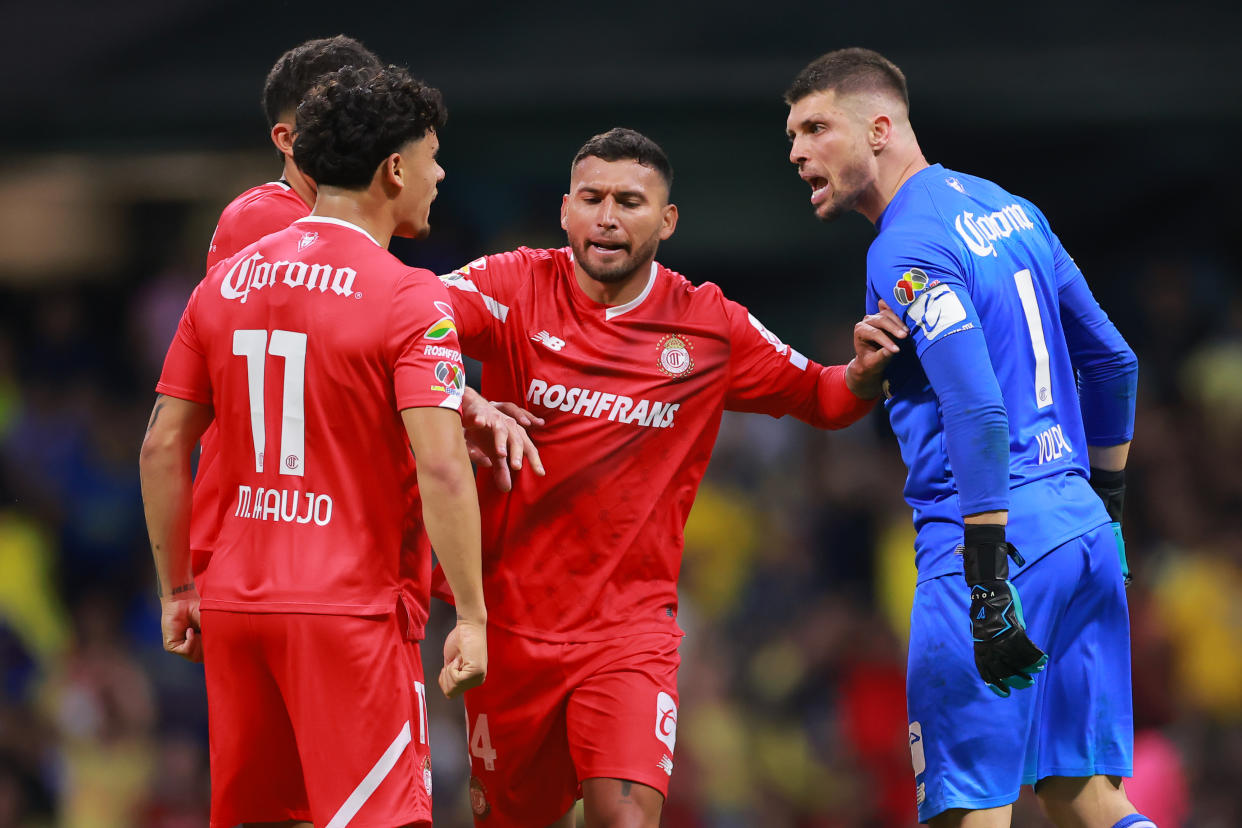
column 308, row 344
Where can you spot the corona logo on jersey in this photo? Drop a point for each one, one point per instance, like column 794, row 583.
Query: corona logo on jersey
column 675, row 359
column 307, row 240
column 253, row 273
column 597, row 404
column 979, row 232
column 911, row 282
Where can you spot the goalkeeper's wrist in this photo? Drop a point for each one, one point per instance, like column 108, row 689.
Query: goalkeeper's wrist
column 1110, row 486
column 985, row 554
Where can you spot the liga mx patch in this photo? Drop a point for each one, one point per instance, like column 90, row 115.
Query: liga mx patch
column 451, row 377
column 937, row 310
column 909, row 285
column 427, row 774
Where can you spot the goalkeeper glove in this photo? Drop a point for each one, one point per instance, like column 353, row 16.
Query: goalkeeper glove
column 1111, row 487
column 1004, row 655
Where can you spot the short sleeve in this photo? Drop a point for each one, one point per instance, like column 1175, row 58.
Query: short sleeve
column 423, row 345
column 185, row 374
column 481, row 293
column 924, row 283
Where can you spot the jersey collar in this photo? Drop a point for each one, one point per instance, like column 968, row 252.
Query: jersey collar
column 339, row 222
column 617, row 310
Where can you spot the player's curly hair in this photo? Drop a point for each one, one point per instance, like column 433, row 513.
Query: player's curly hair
column 849, row 71
column 297, row 70
column 355, row 118
column 621, row 144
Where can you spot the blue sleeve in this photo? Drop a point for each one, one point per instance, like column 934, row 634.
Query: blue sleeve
column 1106, row 366
column 928, row 283
column 976, row 427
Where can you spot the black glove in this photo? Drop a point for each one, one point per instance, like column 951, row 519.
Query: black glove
column 1111, row 487
column 1004, row 655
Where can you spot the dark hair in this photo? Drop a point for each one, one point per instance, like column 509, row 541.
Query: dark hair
column 355, row 118
column 621, row 144
column 849, row 71
column 297, row 70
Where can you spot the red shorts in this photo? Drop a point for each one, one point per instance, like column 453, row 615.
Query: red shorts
column 551, row 715
column 320, row 718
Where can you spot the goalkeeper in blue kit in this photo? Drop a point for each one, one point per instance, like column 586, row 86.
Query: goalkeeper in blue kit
column 1013, row 402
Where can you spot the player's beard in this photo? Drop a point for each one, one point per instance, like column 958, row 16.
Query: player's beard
column 854, row 180
column 620, row 271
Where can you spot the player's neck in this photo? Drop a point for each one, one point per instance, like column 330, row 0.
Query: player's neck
column 357, row 208
column 613, row 293
column 303, row 186
column 895, row 169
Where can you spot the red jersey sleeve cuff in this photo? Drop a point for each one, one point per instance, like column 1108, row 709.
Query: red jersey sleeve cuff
column 182, row 393
column 838, row 406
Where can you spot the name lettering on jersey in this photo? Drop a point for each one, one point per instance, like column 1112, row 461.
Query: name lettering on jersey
column 1052, row 444
column 979, row 232
column 442, row 352
column 675, row 359
column 936, row 310
column 588, row 403
column 283, row 506
column 254, row 273
column 553, row 342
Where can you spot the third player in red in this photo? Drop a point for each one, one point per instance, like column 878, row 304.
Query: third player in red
column 631, row 366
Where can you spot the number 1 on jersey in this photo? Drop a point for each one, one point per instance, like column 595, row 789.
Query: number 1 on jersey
column 1035, row 327
column 291, row 346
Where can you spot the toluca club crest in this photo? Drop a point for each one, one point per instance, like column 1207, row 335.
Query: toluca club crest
column 675, row 359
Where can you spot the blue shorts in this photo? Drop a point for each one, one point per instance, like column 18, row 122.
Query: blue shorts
column 972, row 749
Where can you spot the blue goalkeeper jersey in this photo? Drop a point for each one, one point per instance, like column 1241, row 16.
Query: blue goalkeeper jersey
column 998, row 313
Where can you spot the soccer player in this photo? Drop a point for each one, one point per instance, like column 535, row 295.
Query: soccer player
column 254, row 214
column 492, row 435
column 1013, row 383
column 631, row 366
column 324, row 360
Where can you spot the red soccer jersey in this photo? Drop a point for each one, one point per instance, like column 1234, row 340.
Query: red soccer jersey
column 249, row 217
column 308, row 343
column 633, row 396
column 252, row 215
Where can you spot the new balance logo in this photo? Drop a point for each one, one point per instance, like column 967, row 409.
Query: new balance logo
column 665, row 764
column 548, row 339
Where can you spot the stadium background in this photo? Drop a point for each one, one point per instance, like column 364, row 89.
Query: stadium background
column 127, row 127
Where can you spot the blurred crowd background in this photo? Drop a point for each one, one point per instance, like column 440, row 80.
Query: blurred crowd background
column 130, row 128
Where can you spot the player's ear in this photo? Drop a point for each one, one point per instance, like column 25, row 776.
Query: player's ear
column 880, row 132
column 392, row 174
column 565, row 212
column 670, row 221
column 282, row 137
